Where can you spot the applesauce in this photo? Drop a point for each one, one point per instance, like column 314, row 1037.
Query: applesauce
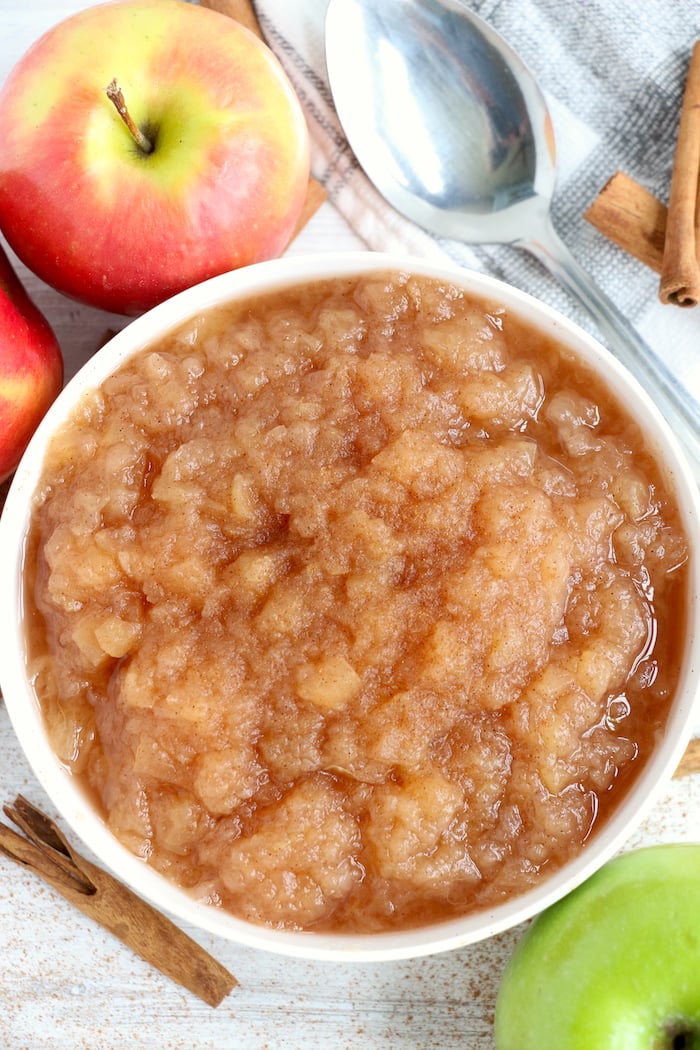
column 354, row 607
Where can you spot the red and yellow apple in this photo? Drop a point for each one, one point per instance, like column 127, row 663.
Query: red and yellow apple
column 616, row 963
column 212, row 175
column 31, row 367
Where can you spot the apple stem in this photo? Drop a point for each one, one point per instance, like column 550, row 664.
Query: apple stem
column 114, row 94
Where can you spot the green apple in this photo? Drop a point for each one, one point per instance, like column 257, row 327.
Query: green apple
column 615, row 965
column 147, row 145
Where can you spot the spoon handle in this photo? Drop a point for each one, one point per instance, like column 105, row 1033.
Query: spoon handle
column 681, row 413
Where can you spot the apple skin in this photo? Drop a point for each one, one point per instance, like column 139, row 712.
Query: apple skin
column 31, row 367
column 118, row 229
column 615, row 964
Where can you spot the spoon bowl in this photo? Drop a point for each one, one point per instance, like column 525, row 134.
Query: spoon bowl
column 453, row 130
column 450, row 141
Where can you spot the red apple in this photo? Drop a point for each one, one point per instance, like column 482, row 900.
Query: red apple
column 216, row 180
column 31, row 367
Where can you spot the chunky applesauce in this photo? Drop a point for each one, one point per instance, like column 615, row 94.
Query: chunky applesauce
column 355, row 607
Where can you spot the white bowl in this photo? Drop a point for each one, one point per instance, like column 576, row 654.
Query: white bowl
column 65, row 790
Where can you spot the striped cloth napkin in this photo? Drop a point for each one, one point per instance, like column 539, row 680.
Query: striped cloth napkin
column 612, row 72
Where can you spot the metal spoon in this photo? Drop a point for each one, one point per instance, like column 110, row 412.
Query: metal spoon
column 454, row 132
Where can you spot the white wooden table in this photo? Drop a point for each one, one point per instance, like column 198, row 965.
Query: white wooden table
column 67, row 984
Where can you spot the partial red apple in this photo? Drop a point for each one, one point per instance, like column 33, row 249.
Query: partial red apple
column 195, row 161
column 31, row 367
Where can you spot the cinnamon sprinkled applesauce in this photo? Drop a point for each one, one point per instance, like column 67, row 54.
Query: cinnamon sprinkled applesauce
column 355, row 607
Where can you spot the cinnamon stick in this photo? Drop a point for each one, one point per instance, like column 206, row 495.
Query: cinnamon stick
column 42, row 848
column 680, row 275
column 240, row 10
column 315, row 196
column 633, row 218
column 690, row 762
column 243, row 11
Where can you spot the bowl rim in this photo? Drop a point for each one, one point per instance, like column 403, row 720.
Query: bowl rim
column 63, row 788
